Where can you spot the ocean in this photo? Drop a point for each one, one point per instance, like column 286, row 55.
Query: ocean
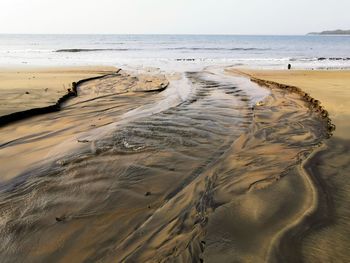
column 276, row 52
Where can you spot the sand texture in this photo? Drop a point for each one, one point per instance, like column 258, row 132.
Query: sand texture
column 327, row 236
column 96, row 98
column 23, row 89
column 331, row 88
column 180, row 168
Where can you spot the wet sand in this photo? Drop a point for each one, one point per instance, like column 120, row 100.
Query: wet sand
column 136, row 169
column 331, row 88
column 325, row 235
column 26, row 143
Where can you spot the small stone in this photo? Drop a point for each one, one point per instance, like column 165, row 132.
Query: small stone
column 60, row 219
column 83, row 141
column 147, row 193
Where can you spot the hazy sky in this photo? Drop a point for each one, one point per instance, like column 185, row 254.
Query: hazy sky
column 173, row 16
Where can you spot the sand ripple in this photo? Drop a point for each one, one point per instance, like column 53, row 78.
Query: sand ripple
column 210, row 177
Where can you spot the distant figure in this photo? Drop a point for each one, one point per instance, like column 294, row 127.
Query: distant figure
column 289, row 66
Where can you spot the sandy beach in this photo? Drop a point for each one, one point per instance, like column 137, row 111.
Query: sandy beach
column 329, row 87
column 327, row 238
column 27, row 88
column 135, row 170
column 34, row 137
column 174, row 131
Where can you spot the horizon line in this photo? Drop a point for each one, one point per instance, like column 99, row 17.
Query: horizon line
column 175, row 34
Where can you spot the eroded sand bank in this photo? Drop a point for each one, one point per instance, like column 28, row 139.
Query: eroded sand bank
column 331, row 88
column 27, row 88
column 124, row 175
column 326, row 238
column 28, row 142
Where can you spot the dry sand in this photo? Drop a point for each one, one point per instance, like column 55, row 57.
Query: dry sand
column 27, row 88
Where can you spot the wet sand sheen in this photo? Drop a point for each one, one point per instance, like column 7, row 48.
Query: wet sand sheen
column 208, row 177
column 29, row 142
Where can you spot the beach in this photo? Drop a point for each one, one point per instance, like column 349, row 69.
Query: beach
column 174, row 148
column 329, row 87
column 145, row 166
column 30, row 132
column 23, row 88
column 174, row 131
column 326, row 239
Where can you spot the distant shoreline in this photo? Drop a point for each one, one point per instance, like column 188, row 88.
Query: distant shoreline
column 337, row 32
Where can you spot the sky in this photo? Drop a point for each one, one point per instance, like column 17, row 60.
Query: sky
column 261, row 17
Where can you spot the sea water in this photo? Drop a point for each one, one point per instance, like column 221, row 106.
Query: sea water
column 276, row 52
